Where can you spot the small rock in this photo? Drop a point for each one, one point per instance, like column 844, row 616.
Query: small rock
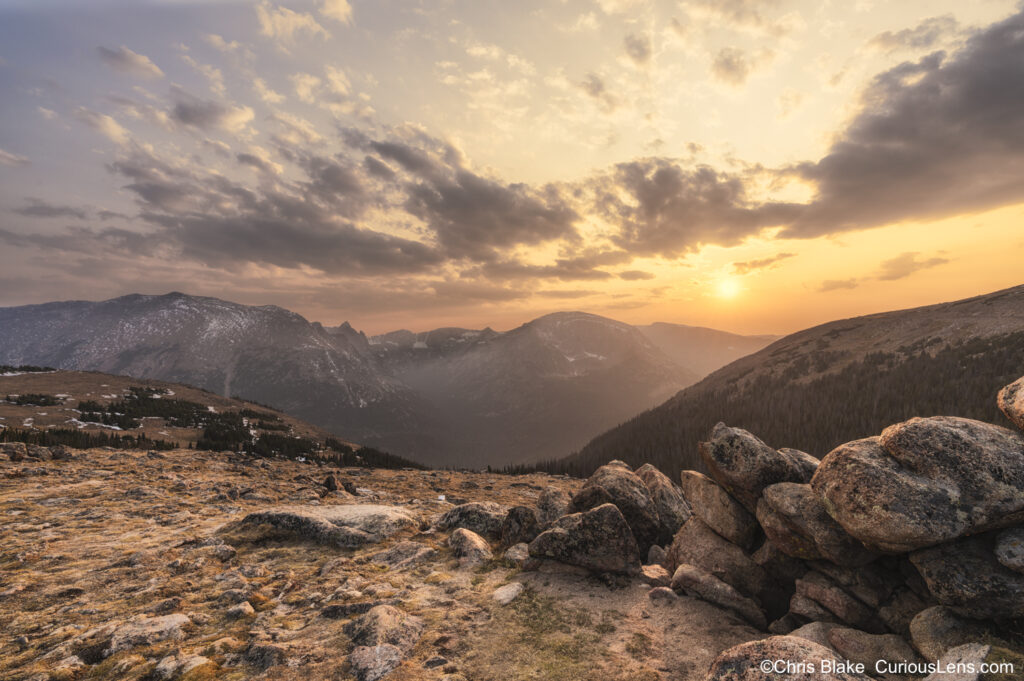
column 266, row 655
column 177, row 665
column 508, row 593
column 656, row 556
column 370, row 663
column 1011, row 402
column 519, row 555
column 655, row 575
column 696, row 582
column 470, row 548
column 404, row 553
column 435, row 661
column 1010, row 548
column 243, row 609
column 662, row 593
column 385, row 624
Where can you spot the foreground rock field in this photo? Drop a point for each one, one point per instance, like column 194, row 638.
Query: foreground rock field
column 894, row 557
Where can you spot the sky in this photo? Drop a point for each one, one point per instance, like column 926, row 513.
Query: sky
column 758, row 166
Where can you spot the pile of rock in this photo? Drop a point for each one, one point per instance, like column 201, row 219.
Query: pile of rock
column 904, row 547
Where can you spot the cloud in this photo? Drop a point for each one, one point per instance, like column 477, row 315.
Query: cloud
column 192, row 111
column 745, row 14
column 339, row 10
column 638, row 48
column 935, row 138
column 924, row 35
column 124, row 60
column 905, row 264
column 837, row 284
column 566, row 295
column 635, row 275
column 285, row 25
column 594, row 86
column 764, row 263
column 661, row 208
column 305, row 85
column 731, row 65
column 12, row 160
column 265, row 92
column 39, row 208
column 103, row 124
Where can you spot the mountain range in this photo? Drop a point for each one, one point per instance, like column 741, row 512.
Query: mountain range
column 450, row 397
column 834, row 383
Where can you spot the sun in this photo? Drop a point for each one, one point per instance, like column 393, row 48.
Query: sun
column 728, row 288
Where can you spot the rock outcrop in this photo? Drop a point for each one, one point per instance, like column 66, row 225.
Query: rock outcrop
column 719, row 510
column 343, row 526
column 617, row 485
column 672, row 508
column 599, row 540
column 482, row 517
column 791, row 658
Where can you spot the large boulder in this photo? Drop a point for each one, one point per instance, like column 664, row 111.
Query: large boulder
column 1011, row 401
column 619, row 486
column 935, row 630
column 483, row 517
column 672, row 508
column 796, row 521
column 925, row 481
column 552, row 504
column 744, row 465
column 967, row 577
column 825, row 592
column 969, row 659
column 469, row 547
column 697, row 544
column 345, row 526
column 599, row 540
column 719, row 510
column 870, row 649
column 780, row 657
column 693, row 581
column 520, row 526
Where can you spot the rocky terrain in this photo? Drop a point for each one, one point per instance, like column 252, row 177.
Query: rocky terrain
column 893, row 557
column 450, row 397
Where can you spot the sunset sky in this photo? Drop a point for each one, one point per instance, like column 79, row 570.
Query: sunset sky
column 757, row 166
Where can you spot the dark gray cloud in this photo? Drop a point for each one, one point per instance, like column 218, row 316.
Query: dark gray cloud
column 638, row 48
column 195, row 112
column 635, row 275
column 731, row 65
column 926, row 34
column 673, row 210
column 749, row 266
column 906, row 264
column 594, row 86
column 936, row 138
column 38, row 208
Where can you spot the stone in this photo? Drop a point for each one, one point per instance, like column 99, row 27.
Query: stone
column 937, row 629
column 552, row 504
column 621, row 487
column 1010, row 548
column 370, row 663
column 809, row 609
column 656, row 555
column 797, row 658
column 781, row 567
column 662, row 593
column 807, row 463
column 243, row 609
column 263, row 655
column 744, row 465
column 481, row 517
column 966, row 576
column 693, row 581
column 519, row 526
column 796, row 521
column 1011, row 402
column 404, row 554
column 469, row 547
column 819, row 588
column 385, row 624
column 655, row 575
column 973, row 656
column 870, row 649
column 519, row 555
column 343, row 525
column 15, row 451
column 816, row 632
column 61, row 453
column 177, row 665
column 598, row 540
column 900, row 610
column 925, row 481
column 872, row 584
column 508, row 593
column 672, row 508
column 331, row 483
column 719, row 510
column 144, row 631
column 696, row 544
column 785, row 624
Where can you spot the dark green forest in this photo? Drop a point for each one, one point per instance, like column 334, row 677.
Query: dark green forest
column 815, row 415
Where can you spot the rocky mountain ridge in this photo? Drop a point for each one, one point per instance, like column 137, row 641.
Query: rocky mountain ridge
column 448, row 397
